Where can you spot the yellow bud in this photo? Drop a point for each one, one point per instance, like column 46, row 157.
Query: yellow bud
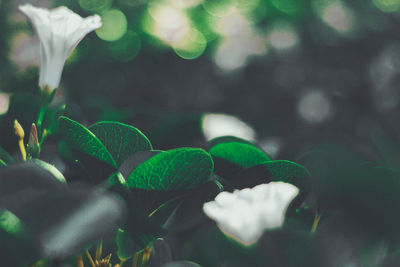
column 19, row 131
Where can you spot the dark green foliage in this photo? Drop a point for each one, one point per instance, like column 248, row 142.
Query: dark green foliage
column 181, row 168
column 242, row 164
column 71, row 217
column 121, row 140
column 80, row 138
column 102, row 155
column 242, row 154
column 387, row 147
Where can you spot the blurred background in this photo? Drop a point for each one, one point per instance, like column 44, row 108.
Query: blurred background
column 298, row 72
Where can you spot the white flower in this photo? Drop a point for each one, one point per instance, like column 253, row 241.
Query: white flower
column 59, row 31
column 216, row 125
column 245, row 214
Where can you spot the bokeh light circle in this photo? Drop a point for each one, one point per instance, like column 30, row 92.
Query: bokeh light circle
column 220, row 8
column 127, row 47
column 314, row 107
column 115, row 25
column 287, row 6
column 95, row 5
column 192, row 46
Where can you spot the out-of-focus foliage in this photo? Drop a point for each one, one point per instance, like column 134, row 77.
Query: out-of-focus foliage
column 283, row 77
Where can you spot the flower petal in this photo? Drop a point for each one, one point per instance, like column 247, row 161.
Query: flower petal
column 59, row 31
column 245, row 214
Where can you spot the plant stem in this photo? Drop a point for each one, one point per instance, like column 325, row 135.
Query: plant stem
column 136, row 259
column 99, row 250
column 90, row 258
column 79, row 261
column 19, row 132
column 315, row 223
column 40, row 118
column 146, row 256
column 22, row 149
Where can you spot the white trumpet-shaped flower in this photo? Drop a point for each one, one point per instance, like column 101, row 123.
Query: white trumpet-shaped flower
column 59, row 31
column 245, row 214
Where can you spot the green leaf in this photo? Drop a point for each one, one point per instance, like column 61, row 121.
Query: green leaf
column 126, row 246
column 289, row 172
column 50, row 168
column 82, row 139
column 228, row 139
column 11, row 223
column 2, row 163
column 5, row 157
column 242, row 154
column 121, row 140
column 181, row 168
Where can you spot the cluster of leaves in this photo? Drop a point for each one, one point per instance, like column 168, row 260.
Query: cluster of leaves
column 145, row 204
column 131, row 193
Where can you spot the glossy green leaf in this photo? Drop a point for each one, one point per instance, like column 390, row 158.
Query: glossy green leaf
column 242, row 154
column 121, row 140
column 50, row 168
column 228, row 139
column 80, row 138
column 289, row 172
column 181, row 168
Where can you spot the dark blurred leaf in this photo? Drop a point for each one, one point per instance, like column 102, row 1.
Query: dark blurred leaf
column 190, row 213
column 392, row 261
column 21, row 183
column 286, row 247
column 121, row 140
column 17, row 248
column 160, row 254
column 175, row 130
column 226, row 170
column 126, row 247
column 332, row 167
column 25, row 107
column 76, row 217
column 365, row 193
column 341, row 242
column 164, row 214
column 181, row 168
column 61, row 219
column 145, row 217
column 388, row 148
